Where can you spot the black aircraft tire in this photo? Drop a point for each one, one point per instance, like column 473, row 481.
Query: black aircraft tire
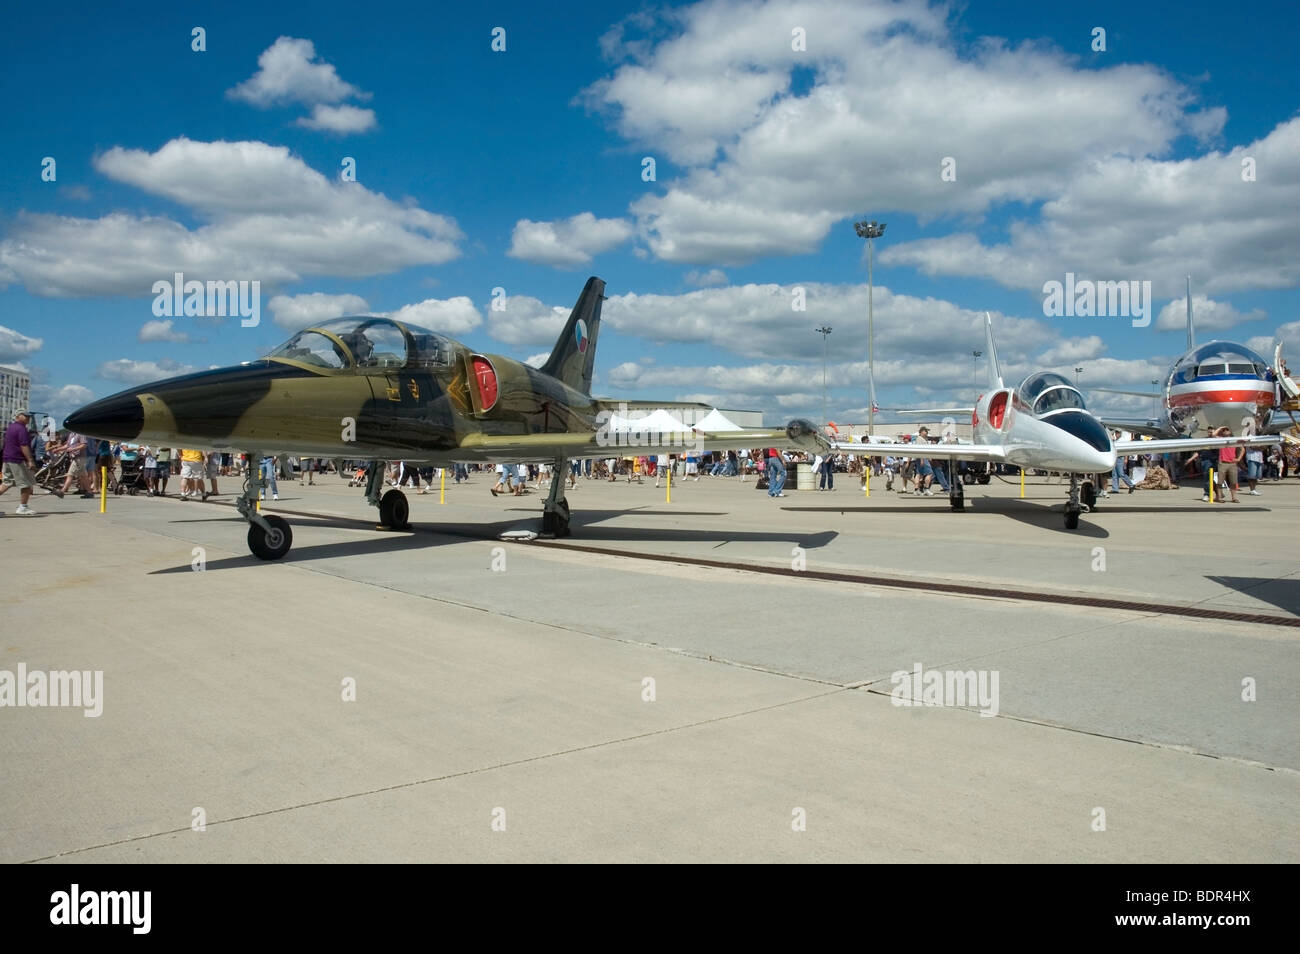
column 958, row 503
column 1088, row 495
column 394, row 510
column 1072, row 520
column 273, row 545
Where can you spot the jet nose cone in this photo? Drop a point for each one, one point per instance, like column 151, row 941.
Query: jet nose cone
column 117, row 418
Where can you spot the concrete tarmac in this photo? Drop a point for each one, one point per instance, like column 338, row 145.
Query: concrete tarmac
column 535, row 702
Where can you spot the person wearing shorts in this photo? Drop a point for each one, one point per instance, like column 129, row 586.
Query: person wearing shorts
column 75, row 447
column 193, row 472
column 162, row 471
column 214, row 471
column 19, row 463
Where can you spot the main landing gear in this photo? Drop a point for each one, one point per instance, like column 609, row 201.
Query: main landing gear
column 1083, row 498
column 394, row 511
column 555, row 512
column 956, row 490
column 269, row 537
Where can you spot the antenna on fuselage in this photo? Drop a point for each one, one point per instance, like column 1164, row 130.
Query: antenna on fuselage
column 1191, row 332
column 995, row 372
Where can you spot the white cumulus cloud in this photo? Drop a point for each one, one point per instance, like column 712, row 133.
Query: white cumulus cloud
column 294, row 312
column 1207, row 315
column 339, row 119
column 162, row 331
column 451, row 316
column 569, row 242
column 267, row 216
column 777, row 145
column 141, row 372
column 289, row 71
column 15, row 345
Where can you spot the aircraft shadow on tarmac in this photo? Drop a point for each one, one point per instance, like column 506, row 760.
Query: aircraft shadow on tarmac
column 417, row 537
column 593, row 529
column 1043, row 516
column 385, row 542
column 1284, row 594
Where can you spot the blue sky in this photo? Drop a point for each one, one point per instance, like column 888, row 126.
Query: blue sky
column 522, row 169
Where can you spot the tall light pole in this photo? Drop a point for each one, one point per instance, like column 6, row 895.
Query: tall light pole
column 1077, row 372
column 1154, row 397
column 824, row 330
column 870, row 230
column 975, row 372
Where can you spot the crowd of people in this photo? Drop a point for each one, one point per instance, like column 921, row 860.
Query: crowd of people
column 65, row 462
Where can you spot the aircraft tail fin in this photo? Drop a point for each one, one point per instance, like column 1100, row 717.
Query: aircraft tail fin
column 575, row 353
column 995, row 372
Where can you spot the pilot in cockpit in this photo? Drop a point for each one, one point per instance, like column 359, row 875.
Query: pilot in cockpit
column 360, row 346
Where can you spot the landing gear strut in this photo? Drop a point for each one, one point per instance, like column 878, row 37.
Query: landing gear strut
column 270, row 537
column 1088, row 495
column 1073, row 507
column 555, row 512
column 956, row 489
column 393, row 508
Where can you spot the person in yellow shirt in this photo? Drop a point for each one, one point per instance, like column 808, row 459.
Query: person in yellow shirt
column 192, row 475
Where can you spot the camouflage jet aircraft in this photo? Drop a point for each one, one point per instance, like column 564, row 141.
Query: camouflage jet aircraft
column 376, row 389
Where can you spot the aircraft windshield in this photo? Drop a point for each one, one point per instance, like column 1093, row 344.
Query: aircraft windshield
column 366, row 343
column 1219, row 357
column 311, row 347
column 1046, row 392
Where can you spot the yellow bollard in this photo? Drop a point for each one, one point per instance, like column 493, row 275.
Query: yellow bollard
column 103, row 490
column 1022, row 483
column 668, row 494
column 442, row 485
column 1211, row 485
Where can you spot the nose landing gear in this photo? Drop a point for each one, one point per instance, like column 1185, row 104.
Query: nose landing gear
column 269, row 537
column 1075, row 506
column 956, row 489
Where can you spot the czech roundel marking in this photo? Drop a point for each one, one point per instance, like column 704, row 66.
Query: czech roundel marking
column 580, row 336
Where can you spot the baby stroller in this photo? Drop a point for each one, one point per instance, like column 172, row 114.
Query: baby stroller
column 132, row 480
column 53, row 472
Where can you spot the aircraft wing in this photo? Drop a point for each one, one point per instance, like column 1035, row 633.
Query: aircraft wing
column 934, row 411
column 506, row 448
column 1176, row 445
column 972, row 452
column 1135, row 425
column 1141, row 394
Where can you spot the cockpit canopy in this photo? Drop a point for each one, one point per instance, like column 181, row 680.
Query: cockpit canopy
column 1047, row 391
column 366, row 342
column 1217, row 358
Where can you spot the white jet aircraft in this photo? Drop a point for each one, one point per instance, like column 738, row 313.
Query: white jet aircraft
column 1040, row 425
